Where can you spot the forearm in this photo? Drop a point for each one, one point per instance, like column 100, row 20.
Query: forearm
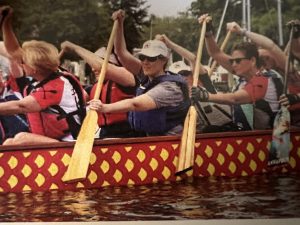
column 296, row 47
column 230, row 98
column 93, row 60
column 126, row 58
column 189, row 56
column 215, row 52
column 11, row 108
column 11, row 42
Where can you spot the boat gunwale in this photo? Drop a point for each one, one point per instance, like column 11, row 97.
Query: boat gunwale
column 150, row 139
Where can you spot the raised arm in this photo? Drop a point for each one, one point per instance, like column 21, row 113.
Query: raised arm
column 117, row 74
column 130, row 62
column 213, row 49
column 10, row 40
column 261, row 41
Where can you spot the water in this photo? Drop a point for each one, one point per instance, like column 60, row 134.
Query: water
column 257, row 197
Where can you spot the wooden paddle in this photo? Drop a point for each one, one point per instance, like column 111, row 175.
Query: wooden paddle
column 280, row 145
column 187, row 145
column 224, row 43
column 80, row 159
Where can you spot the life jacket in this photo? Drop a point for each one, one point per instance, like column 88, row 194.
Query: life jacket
column 159, row 121
column 54, row 121
column 112, row 92
column 262, row 104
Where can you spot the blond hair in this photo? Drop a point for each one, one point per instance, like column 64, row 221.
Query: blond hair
column 40, row 55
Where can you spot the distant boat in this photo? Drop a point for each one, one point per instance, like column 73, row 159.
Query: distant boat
column 137, row 161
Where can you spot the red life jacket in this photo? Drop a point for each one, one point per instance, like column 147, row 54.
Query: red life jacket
column 112, row 92
column 53, row 121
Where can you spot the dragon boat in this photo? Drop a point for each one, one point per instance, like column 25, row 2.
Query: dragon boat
column 137, row 161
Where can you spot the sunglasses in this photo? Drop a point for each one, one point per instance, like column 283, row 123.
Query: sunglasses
column 150, row 59
column 237, row 60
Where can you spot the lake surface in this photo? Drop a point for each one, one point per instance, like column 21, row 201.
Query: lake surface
column 257, row 197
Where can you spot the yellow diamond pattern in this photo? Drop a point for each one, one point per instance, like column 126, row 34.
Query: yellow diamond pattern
column 141, row 155
column 229, row 149
column 244, row 173
column 116, row 157
column 175, row 161
column 131, row 182
column 39, row 161
column 208, row 151
column 250, row 148
column 261, row 155
column 12, row 181
column 298, row 152
column 164, row 154
column 104, row 166
column 66, row 159
column 239, row 142
column 26, row 171
column 221, row 159
column 253, row 165
column 197, row 144
column 166, row 172
column 232, row 167
column 292, row 162
column 259, row 140
column 1, row 154
column 128, row 149
column 118, row 175
column 26, row 154
column 1, row 171
column 211, row 169
column 129, row 165
column 79, row 185
column 26, row 188
column 92, row 177
column 218, row 143
column 52, row 153
column 105, row 183
column 153, row 164
column 152, row 147
column 241, row 157
column 297, row 138
column 53, row 187
column 142, row 174
column 199, row 160
column 12, row 162
column 53, row 169
column 40, row 180
column 175, row 146
column 93, row 158
column 189, row 173
column 103, row 150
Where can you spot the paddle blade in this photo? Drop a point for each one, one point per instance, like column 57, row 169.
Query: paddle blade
column 187, row 145
column 80, row 159
column 280, row 145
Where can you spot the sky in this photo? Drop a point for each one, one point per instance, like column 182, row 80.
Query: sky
column 167, row 7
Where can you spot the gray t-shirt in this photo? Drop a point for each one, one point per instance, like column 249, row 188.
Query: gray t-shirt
column 167, row 94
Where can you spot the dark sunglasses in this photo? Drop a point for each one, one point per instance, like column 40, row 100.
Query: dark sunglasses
column 237, row 60
column 150, row 59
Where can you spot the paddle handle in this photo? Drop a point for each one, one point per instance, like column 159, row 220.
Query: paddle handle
column 105, row 61
column 199, row 55
column 223, row 45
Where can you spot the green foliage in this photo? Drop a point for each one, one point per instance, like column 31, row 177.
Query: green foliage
column 87, row 23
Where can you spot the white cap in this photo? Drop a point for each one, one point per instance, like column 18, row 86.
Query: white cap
column 154, row 48
column 178, row 66
column 112, row 58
